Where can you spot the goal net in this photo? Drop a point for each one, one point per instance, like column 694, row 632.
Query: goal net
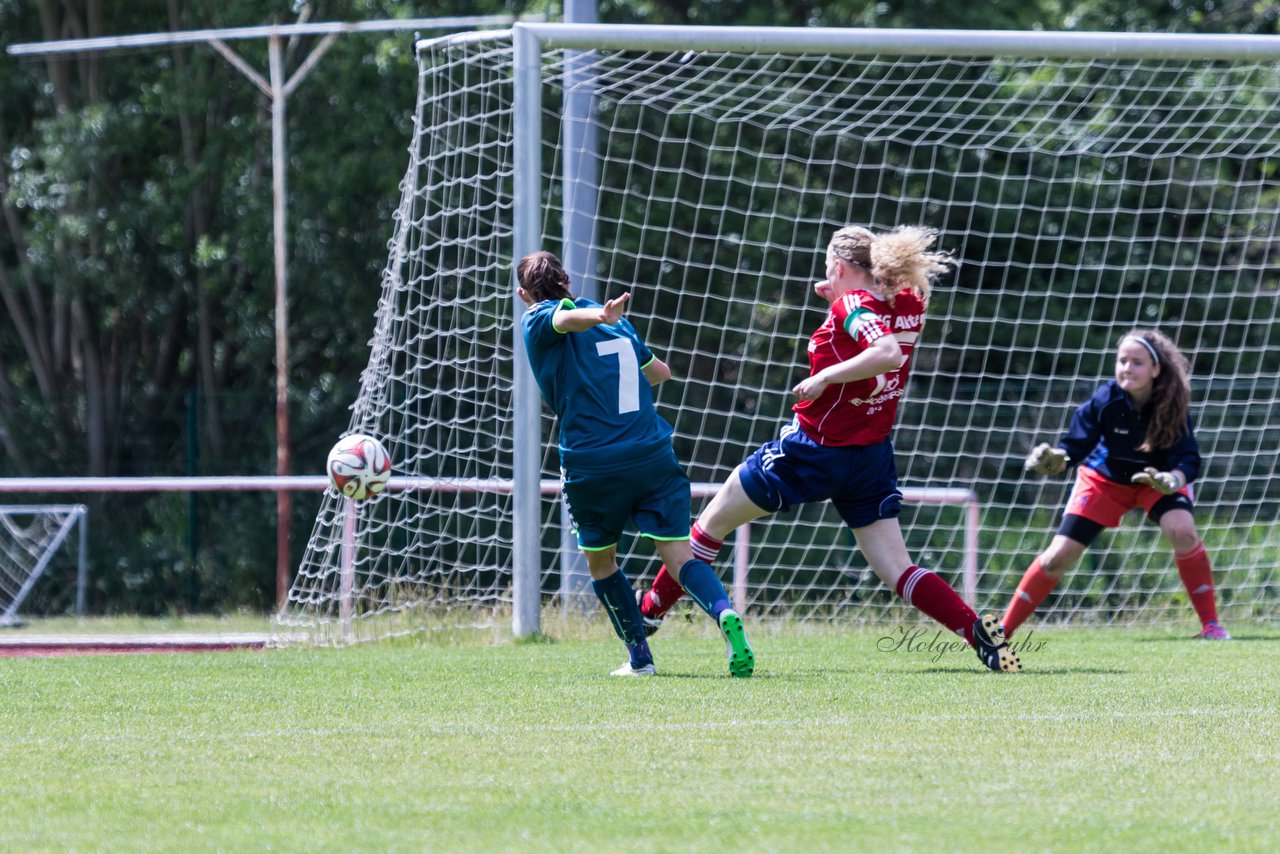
column 30, row 537
column 1087, row 183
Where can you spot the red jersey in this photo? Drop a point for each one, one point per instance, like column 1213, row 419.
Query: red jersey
column 860, row 412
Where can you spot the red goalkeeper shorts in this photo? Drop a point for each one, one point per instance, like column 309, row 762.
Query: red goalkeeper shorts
column 1105, row 501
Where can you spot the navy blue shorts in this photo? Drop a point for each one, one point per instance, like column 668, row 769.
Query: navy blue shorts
column 654, row 496
column 862, row 482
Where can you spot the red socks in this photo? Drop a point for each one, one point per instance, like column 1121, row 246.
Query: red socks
column 666, row 591
column 705, row 547
column 935, row 597
column 1197, row 577
column 1035, row 587
column 930, row 594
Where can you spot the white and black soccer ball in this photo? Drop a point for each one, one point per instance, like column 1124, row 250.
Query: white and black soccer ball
column 359, row 466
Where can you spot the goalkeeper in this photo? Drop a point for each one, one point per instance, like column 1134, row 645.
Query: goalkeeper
column 616, row 459
column 1138, row 449
column 837, row 447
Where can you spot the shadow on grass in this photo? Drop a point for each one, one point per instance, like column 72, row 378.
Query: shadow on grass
column 1029, row 673
column 1198, row 641
column 807, row 673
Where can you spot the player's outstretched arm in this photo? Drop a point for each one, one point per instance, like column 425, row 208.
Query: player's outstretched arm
column 614, row 308
column 582, row 319
column 1046, row 460
column 1163, row 482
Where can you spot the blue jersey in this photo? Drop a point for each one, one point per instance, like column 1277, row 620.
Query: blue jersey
column 594, row 380
column 1106, row 431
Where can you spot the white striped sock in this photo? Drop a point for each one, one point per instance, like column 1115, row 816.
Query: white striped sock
column 913, row 578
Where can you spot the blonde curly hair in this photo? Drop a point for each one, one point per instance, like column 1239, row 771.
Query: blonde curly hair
column 900, row 258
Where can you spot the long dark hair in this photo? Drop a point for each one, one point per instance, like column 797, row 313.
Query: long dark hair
column 542, row 276
column 1170, row 391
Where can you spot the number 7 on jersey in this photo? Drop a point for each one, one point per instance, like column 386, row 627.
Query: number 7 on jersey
column 628, row 372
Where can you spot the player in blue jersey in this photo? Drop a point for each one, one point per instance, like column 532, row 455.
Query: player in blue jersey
column 1136, row 447
column 616, row 460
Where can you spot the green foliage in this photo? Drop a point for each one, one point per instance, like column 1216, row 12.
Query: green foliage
column 136, row 261
column 142, row 188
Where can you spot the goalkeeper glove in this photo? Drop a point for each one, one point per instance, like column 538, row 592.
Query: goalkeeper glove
column 1163, row 482
column 1046, row 459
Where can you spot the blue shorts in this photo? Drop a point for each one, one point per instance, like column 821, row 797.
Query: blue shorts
column 862, row 482
column 654, row 496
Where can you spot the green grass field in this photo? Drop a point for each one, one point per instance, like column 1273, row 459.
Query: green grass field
column 1110, row 741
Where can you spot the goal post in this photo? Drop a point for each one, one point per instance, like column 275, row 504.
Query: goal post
column 30, row 537
column 1087, row 182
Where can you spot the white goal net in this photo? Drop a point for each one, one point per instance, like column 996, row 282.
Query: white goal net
column 704, row 171
column 30, row 537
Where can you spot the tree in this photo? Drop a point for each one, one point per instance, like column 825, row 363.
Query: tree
column 135, row 252
column 135, row 257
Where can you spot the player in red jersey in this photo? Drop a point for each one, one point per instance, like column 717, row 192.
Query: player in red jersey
column 837, row 448
column 1137, row 448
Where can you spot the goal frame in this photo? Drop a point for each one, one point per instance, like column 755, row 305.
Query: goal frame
column 72, row 515
column 531, row 40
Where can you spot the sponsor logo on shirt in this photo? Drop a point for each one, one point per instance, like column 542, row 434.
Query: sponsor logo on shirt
column 878, row 399
column 908, row 321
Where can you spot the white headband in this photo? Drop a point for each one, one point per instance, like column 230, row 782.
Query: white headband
column 1155, row 357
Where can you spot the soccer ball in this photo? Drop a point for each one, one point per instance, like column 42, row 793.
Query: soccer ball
column 359, row 466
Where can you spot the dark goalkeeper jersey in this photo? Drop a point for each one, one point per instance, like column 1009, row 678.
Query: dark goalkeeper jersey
column 1105, row 434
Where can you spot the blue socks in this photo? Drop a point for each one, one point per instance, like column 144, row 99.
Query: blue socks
column 700, row 581
column 619, row 602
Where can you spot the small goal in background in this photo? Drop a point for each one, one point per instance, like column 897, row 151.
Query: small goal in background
column 30, row 536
